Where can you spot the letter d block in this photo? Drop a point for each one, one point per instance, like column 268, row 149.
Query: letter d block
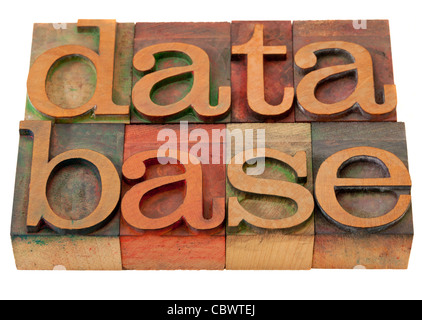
column 81, row 72
column 362, row 187
column 173, row 214
column 270, row 215
column 67, row 190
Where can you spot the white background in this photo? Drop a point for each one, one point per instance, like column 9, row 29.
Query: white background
column 16, row 36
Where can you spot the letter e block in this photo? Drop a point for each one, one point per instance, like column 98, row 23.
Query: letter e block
column 362, row 188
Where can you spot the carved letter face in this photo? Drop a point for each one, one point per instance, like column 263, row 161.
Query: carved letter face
column 42, row 170
column 343, row 73
column 100, row 100
column 173, row 206
column 197, row 98
column 270, row 215
column 190, row 211
column 256, row 53
column 66, row 196
column 241, row 181
column 364, row 94
column 181, row 76
column 327, row 184
column 362, row 188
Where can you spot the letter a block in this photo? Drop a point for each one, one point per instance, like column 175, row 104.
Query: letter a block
column 362, row 187
column 173, row 211
column 270, row 215
column 182, row 73
column 343, row 71
column 67, row 191
column 81, row 72
column 262, row 72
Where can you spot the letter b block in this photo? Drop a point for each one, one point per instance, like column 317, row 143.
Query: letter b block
column 67, row 190
column 362, row 187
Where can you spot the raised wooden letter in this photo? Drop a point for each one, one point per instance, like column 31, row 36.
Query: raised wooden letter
column 85, row 99
column 364, row 215
column 327, row 184
column 283, row 189
column 270, row 217
column 256, row 52
column 183, row 73
column 172, row 214
column 68, row 203
column 199, row 96
column 364, row 94
column 39, row 209
column 134, row 169
column 343, row 73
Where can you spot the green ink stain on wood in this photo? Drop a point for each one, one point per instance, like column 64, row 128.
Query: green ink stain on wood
column 38, row 242
column 283, row 170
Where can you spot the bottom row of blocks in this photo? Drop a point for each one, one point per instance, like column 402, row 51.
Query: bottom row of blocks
column 94, row 197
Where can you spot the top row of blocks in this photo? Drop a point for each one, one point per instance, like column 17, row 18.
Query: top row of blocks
column 241, row 72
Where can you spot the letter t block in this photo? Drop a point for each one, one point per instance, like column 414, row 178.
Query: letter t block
column 262, row 71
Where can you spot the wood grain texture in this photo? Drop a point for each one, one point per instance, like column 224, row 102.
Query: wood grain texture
column 172, row 223
column 67, row 253
column 271, row 235
column 182, row 72
column 262, row 71
column 343, row 73
column 86, row 66
column 73, row 193
column 367, row 233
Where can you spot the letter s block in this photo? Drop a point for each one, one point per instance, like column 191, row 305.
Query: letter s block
column 362, row 188
column 67, row 192
column 172, row 214
column 81, row 72
column 270, row 215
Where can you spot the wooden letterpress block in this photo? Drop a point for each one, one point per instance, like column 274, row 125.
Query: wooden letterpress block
column 343, row 71
column 182, row 72
column 270, row 216
column 362, row 187
column 67, row 190
column 81, row 72
column 173, row 214
column 262, row 72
